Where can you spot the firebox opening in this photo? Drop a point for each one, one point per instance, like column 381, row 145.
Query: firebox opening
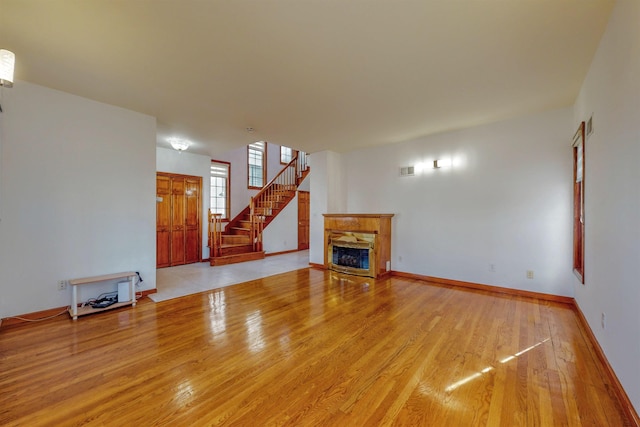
column 352, row 253
column 351, row 257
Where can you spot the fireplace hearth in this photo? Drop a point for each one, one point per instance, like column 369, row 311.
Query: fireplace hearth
column 358, row 244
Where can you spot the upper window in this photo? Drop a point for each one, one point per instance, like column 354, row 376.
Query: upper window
column 578, row 203
column 286, row 154
column 256, row 164
column 220, row 198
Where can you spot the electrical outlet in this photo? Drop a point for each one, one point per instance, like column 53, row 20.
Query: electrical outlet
column 62, row 285
column 492, row 268
column 529, row 274
column 603, row 320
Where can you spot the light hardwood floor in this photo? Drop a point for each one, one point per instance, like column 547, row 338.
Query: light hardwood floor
column 310, row 347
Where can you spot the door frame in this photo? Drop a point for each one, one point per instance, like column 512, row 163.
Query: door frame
column 199, row 211
column 308, row 210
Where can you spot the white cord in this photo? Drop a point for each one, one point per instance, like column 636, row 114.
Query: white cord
column 38, row 320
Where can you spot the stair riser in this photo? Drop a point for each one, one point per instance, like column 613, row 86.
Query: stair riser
column 239, row 232
column 235, row 239
column 233, row 259
column 236, row 250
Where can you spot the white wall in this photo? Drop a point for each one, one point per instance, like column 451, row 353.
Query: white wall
column 172, row 161
column 505, row 201
column 282, row 233
column 78, row 183
column 328, row 195
column 611, row 92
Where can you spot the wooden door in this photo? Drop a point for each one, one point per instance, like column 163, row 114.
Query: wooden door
column 192, row 221
column 163, row 221
column 178, row 226
column 303, row 219
column 177, row 221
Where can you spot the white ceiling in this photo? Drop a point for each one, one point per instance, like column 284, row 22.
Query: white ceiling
column 310, row 74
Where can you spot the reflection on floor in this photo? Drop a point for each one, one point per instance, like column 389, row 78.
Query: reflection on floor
column 174, row 282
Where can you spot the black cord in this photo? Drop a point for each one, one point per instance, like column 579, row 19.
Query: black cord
column 101, row 296
column 104, row 296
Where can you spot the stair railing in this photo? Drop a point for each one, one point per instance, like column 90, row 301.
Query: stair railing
column 257, row 226
column 301, row 166
column 215, row 233
column 271, row 194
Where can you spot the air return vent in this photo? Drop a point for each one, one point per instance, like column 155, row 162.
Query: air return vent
column 407, row 171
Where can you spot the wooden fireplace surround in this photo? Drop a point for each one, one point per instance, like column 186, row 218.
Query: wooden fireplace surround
column 377, row 224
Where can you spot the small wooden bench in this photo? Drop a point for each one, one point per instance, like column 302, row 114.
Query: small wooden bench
column 76, row 311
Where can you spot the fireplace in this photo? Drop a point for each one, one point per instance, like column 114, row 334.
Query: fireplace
column 352, row 253
column 358, row 243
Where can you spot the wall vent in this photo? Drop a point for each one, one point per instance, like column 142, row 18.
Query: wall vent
column 407, row 171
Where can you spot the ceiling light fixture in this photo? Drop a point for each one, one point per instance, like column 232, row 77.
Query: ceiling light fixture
column 7, row 64
column 179, row 144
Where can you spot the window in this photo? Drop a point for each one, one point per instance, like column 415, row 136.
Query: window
column 286, row 154
column 220, row 188
column 578, row 203
column 256, row 160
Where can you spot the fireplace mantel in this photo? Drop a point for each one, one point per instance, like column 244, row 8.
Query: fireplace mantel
column 378, row 225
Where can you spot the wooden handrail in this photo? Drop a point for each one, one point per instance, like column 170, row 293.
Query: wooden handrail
column 276, row 178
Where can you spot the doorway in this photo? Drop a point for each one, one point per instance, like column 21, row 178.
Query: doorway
column 303, row 220
column 178, row 225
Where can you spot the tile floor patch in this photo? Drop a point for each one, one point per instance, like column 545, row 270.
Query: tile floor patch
column 175, row 282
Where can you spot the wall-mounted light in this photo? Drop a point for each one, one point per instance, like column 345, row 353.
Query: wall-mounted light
column 441, row 163
column 7, row 64
column 179, row 144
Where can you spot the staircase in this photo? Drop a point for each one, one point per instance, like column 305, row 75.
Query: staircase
column 241, row 239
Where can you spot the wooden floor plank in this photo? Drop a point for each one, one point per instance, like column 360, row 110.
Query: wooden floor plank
column 312, row 348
